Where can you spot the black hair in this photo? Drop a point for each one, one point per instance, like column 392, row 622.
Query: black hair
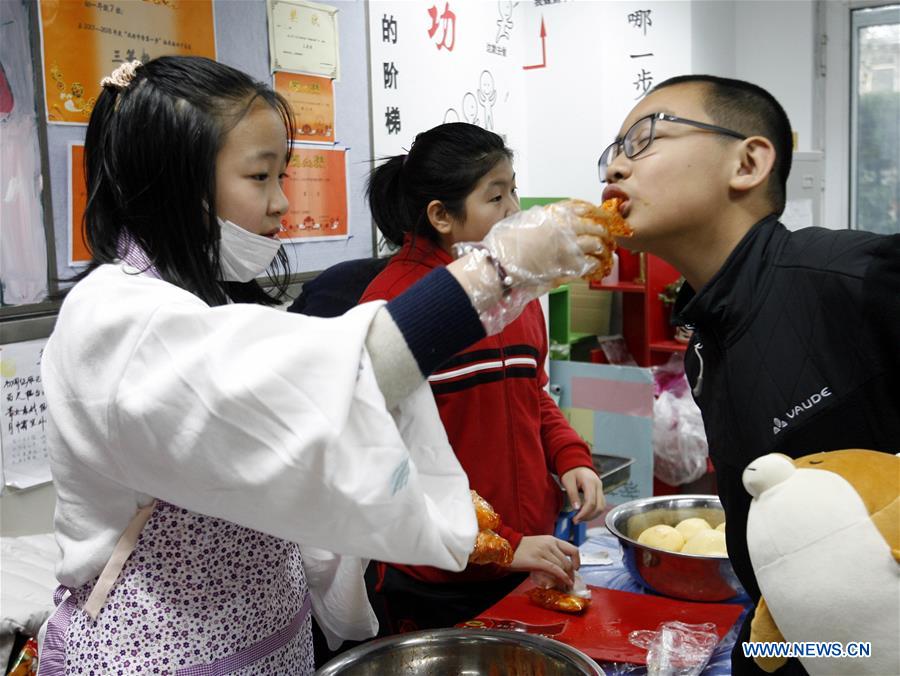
column 444, row 163
column 150, row 159
column 752, row 111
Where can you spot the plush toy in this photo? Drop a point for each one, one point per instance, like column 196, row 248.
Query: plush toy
column 824, row 539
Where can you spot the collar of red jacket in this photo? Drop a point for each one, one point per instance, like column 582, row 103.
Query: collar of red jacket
column 422, row 249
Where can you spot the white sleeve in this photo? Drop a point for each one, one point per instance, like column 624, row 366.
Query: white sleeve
column 270, row 420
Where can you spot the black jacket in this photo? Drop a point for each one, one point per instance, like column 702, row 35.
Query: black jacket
column 796, row 350
column 337, row 289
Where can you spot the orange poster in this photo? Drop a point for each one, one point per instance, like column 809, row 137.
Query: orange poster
column 316, row 187
column 79, row 254
column 84, row 40
column 312, row 99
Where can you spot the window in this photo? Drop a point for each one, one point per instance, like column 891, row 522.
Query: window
column 875, row 119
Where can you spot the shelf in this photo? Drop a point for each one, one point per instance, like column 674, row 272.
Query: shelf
column 668, row 346
column 641, row 317
column 624, row 287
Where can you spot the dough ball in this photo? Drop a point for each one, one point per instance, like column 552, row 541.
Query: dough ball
column 706, row 543
column 662, row 537
column 690, row 527
column 721, row 527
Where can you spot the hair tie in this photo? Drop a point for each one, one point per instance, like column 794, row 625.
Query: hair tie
column 122, row 76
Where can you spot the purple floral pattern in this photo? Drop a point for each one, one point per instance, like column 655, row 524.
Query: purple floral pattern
column 195, row 589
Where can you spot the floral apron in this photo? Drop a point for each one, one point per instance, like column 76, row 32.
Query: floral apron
column 196, row 596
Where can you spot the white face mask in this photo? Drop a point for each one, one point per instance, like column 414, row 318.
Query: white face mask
column 244, row 255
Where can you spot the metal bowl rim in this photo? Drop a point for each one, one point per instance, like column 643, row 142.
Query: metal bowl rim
column 618, row 509
column 424, row 637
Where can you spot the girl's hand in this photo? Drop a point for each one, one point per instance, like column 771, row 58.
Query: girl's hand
column 521, row 258
column 584, row 480
column 550, row 555
column 541, row 247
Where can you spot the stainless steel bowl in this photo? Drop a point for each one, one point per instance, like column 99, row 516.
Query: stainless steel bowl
column 439, row 652
column 683, row 576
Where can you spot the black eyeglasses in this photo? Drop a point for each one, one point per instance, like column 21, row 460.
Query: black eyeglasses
column 641, row 134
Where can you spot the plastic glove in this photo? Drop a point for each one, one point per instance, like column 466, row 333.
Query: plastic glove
column 530, row 252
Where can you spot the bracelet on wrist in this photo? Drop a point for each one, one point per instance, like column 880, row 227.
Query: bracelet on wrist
column 506, row 280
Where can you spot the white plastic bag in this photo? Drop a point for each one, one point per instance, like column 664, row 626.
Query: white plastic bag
column 676, row 648
column 679, row 439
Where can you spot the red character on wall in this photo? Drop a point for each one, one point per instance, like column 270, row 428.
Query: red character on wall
column 447, row 24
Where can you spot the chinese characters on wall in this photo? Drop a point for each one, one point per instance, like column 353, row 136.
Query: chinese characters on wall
column 443, row 61
column 391, row 112
column 641, row 21
column 443, row 27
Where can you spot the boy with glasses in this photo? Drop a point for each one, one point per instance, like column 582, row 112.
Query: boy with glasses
column 796, row 345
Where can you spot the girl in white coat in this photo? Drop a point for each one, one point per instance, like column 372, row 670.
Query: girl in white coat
column 209, row 452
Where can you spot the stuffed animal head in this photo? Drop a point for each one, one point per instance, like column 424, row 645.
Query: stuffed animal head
column 823, row 533
column 816, row 499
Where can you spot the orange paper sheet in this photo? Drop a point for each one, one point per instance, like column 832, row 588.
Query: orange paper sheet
column 316, row 187
column 84, row 40
column 312, row 100
column 79, row 253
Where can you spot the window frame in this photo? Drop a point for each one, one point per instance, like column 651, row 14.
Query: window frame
column 874, row 16
column 835, row 97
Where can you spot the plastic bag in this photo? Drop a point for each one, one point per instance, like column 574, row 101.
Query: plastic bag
column 676, row 648
column 679, row 439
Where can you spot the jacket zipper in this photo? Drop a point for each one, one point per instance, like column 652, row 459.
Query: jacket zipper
column 698, row 386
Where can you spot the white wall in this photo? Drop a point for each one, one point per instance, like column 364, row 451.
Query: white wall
column 576, row 104
column 712, row 30
column 771, row 44
column 774, row 48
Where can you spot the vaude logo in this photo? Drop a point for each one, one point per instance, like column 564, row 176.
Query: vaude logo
column 779, row 424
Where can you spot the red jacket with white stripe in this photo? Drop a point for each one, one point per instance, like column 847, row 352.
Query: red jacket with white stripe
column 507, row 432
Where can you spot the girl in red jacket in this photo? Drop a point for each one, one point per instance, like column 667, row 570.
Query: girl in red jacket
column 510, row 437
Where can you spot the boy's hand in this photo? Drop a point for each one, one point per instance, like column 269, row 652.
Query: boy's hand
column 585, row 481
column 549, row 555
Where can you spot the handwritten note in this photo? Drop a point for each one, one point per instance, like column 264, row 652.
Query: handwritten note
column 23, row 415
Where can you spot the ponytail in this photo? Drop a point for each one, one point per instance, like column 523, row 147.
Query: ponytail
column 384, row 191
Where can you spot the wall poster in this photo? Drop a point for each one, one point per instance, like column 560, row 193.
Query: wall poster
column 312, row 100
column 79, row 254
column 316, row 187
column 85, row 40
column 303, row 37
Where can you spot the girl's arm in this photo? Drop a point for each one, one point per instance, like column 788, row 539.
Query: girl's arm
column 521, row 258
column 422, row 328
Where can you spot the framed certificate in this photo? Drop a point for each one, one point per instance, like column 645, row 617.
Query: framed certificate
column 303, row 37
